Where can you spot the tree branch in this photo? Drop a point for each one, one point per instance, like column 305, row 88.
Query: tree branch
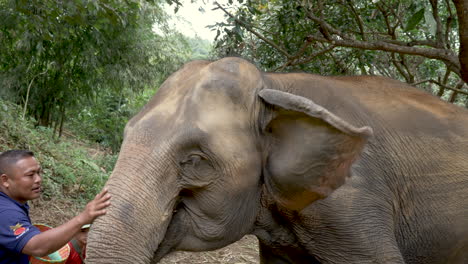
column 358, row 19
column 412, row 43
column 439, row 35
column 448, row 24
column 385, row 8
column 326, row 28
column 249, row 28
column 29, row 89
column 441, row 85
column 444, row 55
column 390, row 29
column 455, row 93
column 462, row 13
column 338, row 38
column 444, row 82
column 397, row 65
column 293, row 61
column 314, row 55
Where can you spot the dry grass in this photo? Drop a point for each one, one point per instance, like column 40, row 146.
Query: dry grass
column 52, row 212
column 244, row 251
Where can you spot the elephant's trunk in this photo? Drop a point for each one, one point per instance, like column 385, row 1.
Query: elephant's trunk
column 143, row 197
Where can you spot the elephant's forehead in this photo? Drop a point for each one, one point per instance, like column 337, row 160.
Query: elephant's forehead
column 226, row 123
column 217, row 111
column 212, row 95
column 209, row 99
column 219, row 100
column 167, row 107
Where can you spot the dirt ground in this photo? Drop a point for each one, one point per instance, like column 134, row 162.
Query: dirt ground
column 244, row 251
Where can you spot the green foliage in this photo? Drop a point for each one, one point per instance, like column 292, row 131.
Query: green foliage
column 401, row 39
column 56, row 55
column 79, row 64
column 415, row 19
column 69, row 170
column 200, row 49
column 102, row 119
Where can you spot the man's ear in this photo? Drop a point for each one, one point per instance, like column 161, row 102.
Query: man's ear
column 4, row 181
column 309, row 149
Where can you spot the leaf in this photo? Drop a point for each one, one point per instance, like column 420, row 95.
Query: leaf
column 254, row 10
column 39, row 47
column 91, row 164
column 415, row 19
column 430, row 21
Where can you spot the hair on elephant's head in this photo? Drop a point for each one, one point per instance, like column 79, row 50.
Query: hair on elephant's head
column 195, row 160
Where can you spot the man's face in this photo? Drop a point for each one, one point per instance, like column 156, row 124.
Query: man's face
column 23, row 180
column 82, row 237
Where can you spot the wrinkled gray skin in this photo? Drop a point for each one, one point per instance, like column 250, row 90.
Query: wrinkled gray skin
column 223, row 150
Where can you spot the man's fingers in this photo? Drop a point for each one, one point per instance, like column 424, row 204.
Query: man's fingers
column 104, row 197
column 101, row 212
column 102, row 193
column 102, row 205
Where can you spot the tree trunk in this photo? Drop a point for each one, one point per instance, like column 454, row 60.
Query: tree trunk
column 462, row 13
column 62, row 119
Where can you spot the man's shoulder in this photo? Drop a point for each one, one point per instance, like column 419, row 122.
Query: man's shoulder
column 10, row 208
column 11, row 211
column 7, row 203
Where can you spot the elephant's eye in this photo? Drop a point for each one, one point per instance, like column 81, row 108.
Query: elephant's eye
column 191, row 160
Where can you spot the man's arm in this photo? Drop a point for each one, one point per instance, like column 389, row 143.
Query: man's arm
column 55, row 238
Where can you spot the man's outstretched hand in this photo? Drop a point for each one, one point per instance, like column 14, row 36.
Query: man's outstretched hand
column 51, row 240
column 96, row 207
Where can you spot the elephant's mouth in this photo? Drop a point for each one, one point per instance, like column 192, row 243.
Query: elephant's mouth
column 175, row 232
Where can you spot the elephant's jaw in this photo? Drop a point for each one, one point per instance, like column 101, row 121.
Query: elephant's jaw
column 173, row 235
column 183, row 234
column 180, row 236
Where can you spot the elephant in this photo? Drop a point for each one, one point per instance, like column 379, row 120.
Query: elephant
column 321, row 169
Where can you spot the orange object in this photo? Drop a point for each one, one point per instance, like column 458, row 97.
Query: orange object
column 62, row 254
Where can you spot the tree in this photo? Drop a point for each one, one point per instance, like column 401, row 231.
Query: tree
column 200, row 48
column 56, row 55
column 415, row 41
column 102, row 119
column 462, row 12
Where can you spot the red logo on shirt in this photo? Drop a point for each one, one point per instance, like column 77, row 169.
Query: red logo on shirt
column 18, row 229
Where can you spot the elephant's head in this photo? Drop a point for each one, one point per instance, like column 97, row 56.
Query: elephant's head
column 195, row 160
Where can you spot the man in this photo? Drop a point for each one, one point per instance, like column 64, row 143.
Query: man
column 78, row 246
column 20, row 181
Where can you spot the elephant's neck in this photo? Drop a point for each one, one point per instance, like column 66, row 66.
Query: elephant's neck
column 272, row 225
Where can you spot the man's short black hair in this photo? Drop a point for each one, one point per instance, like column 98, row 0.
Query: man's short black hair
column 10, row 157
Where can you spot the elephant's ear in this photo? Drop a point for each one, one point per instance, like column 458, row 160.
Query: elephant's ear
column 309, row 149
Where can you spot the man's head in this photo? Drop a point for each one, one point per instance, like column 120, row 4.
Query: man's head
column 20, row 177
column 82, row 236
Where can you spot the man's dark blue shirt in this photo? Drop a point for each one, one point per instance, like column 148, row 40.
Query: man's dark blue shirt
column 15, row 230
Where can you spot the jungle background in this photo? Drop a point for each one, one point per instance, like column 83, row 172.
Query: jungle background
column 72, row 73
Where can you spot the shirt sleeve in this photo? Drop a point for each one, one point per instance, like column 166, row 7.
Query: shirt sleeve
column 74, row 257
column 16, row 230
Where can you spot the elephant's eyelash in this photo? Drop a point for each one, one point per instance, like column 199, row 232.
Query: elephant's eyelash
column 192, row 160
